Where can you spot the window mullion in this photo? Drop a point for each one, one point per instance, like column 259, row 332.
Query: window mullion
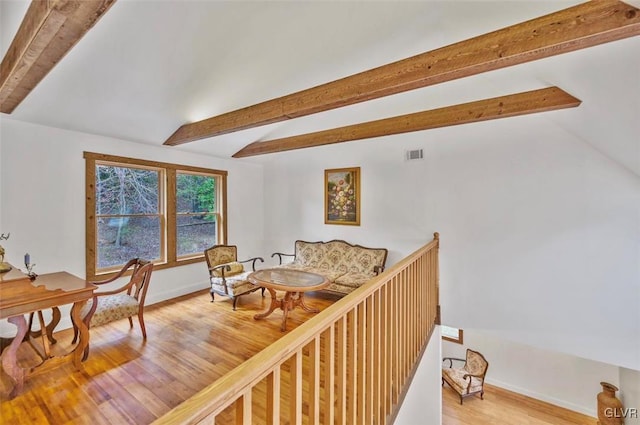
column 171, row 221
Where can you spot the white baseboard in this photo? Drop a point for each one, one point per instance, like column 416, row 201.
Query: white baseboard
column 543, row 397
column 177, row 292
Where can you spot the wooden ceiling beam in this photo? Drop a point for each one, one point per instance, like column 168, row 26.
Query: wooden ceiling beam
column 48, row 31
column 530, row 102
column 587, row 24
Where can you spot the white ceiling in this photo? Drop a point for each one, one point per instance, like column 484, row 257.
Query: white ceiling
column 149, row 66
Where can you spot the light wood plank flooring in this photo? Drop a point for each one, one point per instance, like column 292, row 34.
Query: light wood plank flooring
column 191, row 343
column 505, row 408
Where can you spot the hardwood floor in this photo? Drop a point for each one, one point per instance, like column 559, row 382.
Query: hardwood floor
column 505, row 408
column 192, row 342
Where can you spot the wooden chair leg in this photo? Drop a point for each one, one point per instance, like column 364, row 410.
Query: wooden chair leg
column 262, row 292
column 235, row 301
column 130, row 322
column 141, row 320
column 482, row 395
column 212, row 299
column 460, row 398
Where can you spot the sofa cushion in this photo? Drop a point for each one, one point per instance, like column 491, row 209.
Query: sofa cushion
column 354, row 280
column 454, row 377
column 236, row 284
column 111, row 307
column 234, row 269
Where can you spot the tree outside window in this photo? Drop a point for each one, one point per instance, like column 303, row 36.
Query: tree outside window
column 165, row 213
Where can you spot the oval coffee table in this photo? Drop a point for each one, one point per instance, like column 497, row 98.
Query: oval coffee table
column 292, row 282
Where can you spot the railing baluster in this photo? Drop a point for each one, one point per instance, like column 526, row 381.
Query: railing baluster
column 295, row 389
column 243, row 409
column 361, row 392
column 370, row 366
column 341, row 373
column 329, row 375
column 351, row 367
column 314, row 381
column 273, row 397
column 377, row 345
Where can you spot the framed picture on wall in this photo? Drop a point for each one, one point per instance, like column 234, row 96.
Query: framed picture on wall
column 342, row 196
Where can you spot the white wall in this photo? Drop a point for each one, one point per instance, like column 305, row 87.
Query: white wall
column 561, row 379
column 422, row 404
column 539, row 232
column 42, row 204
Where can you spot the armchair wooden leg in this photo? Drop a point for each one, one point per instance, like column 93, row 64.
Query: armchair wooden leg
column 212, row 293
column 141, row 320
column 262, row 292
column 482, row 395
column 460, row 399
column 235, row 301
column 130, row 322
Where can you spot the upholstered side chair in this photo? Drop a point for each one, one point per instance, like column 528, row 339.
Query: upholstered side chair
column 114, row 304
column 468, row 379
column 227, row 275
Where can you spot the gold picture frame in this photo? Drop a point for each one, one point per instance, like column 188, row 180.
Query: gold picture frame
column 342, row 196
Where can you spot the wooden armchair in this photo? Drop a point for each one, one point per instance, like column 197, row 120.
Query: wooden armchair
column 125, row 301
column 468, row 379
column 227, row 274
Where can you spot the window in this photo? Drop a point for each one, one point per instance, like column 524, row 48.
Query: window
column 451, row 334
column 165, row 213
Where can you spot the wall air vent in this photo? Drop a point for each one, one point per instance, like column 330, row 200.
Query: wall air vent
column 414, row 154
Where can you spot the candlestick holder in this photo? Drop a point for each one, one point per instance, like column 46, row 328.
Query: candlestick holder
column 32, row 275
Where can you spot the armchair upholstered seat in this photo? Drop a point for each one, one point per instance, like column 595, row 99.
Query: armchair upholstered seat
column 227, row 275
column 123, row 302
column 468, row 379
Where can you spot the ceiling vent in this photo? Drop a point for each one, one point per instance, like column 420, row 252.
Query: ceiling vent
column 414, row 154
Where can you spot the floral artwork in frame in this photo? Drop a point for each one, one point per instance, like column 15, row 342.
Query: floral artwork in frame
column 342, row 196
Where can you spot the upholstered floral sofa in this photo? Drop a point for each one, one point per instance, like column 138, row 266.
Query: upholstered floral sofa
column 347, row 266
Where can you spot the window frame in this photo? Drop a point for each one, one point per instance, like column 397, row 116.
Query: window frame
column 458, row 340
column 168, row 214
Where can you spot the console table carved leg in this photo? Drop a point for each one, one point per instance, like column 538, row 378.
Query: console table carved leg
column 10, row 359
column 81, row 352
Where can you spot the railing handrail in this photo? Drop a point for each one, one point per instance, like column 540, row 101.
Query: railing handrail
column 236, row 382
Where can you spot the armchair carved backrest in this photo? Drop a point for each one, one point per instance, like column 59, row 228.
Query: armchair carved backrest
column 227, row 275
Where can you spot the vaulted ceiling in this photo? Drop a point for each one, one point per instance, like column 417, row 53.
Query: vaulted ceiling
column 147, row 67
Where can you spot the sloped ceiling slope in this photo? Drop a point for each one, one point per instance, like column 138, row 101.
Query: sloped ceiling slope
column 149, row 66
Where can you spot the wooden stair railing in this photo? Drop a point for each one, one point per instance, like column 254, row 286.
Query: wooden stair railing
column 350, row 364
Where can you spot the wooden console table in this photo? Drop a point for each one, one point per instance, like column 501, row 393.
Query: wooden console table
column 19, row 296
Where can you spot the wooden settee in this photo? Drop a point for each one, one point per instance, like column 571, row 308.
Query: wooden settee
column 347, row 266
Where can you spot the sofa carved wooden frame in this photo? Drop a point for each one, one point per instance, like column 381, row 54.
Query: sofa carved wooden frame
column 464, row 392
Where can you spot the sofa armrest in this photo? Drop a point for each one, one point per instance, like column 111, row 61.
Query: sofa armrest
column 280, row 255
column 451, row 360
column 253, row 260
